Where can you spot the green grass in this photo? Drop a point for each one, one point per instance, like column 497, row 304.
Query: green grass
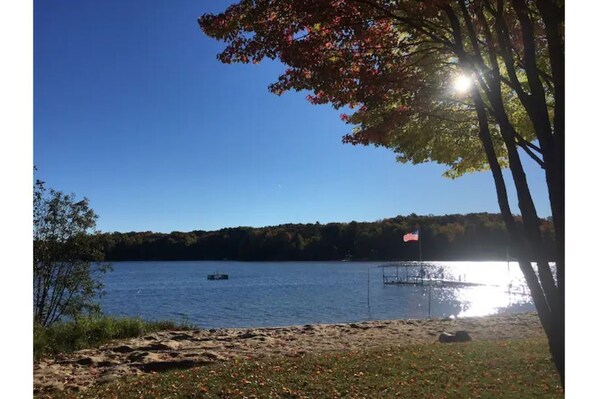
column 91, row 332
column 484, row 369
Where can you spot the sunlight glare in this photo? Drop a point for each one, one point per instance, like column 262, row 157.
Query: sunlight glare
column 462, row 83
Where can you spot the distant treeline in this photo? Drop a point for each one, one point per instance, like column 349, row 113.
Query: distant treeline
column 478, row 236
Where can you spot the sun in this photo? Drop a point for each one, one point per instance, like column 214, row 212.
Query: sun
column 462, row 83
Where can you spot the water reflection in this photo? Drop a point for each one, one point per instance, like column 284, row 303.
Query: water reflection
column 275, row 294
column 502, row 289
column 473, row 301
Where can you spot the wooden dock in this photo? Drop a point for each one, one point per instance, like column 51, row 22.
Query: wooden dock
column 416, row 274
column 432, row 281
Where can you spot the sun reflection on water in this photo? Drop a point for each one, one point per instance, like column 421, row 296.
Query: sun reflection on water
column 499, row 289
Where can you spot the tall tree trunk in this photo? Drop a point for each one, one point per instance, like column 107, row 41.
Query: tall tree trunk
column 545, row 292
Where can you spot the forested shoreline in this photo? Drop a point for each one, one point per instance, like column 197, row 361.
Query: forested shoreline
column 475, row 236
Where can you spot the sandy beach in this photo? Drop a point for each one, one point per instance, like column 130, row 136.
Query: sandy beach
column 168, row 350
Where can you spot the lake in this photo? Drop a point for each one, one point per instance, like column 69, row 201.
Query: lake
column 261, row 294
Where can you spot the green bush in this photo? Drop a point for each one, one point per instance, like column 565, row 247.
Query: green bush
column 90, row 332
column 65, row 282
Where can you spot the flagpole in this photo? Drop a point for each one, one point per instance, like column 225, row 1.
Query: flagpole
column 368, row 288
column 419, row 239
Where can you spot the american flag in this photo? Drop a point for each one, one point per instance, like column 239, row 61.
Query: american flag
column 411, row 236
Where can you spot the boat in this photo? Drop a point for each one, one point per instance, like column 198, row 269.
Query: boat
column 347, row 257
column 218, row 276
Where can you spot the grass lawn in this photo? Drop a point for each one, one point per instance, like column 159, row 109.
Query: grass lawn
column 484, row 369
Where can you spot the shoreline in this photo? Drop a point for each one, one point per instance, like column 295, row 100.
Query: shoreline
column 171, row 350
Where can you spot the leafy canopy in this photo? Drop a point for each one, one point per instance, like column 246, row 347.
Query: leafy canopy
column 392, row 63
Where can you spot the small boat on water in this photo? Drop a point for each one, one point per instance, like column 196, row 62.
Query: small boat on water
column 218, row 276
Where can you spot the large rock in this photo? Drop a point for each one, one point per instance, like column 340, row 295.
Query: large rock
column 462, row 336
column 459, row 336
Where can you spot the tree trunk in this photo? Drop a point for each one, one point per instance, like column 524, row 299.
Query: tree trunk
column 545, row 293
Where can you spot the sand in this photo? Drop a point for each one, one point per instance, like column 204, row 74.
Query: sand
column 169, row 350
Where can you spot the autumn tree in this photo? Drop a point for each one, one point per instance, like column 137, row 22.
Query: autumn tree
column 395, row 64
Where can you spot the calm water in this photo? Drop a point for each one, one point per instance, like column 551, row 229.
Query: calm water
column 288, row 293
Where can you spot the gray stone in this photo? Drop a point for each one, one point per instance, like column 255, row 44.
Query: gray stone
column 462, row 336
column 459, row 336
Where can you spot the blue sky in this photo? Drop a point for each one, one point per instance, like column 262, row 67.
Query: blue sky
column 133, row 111
column 85, row 51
